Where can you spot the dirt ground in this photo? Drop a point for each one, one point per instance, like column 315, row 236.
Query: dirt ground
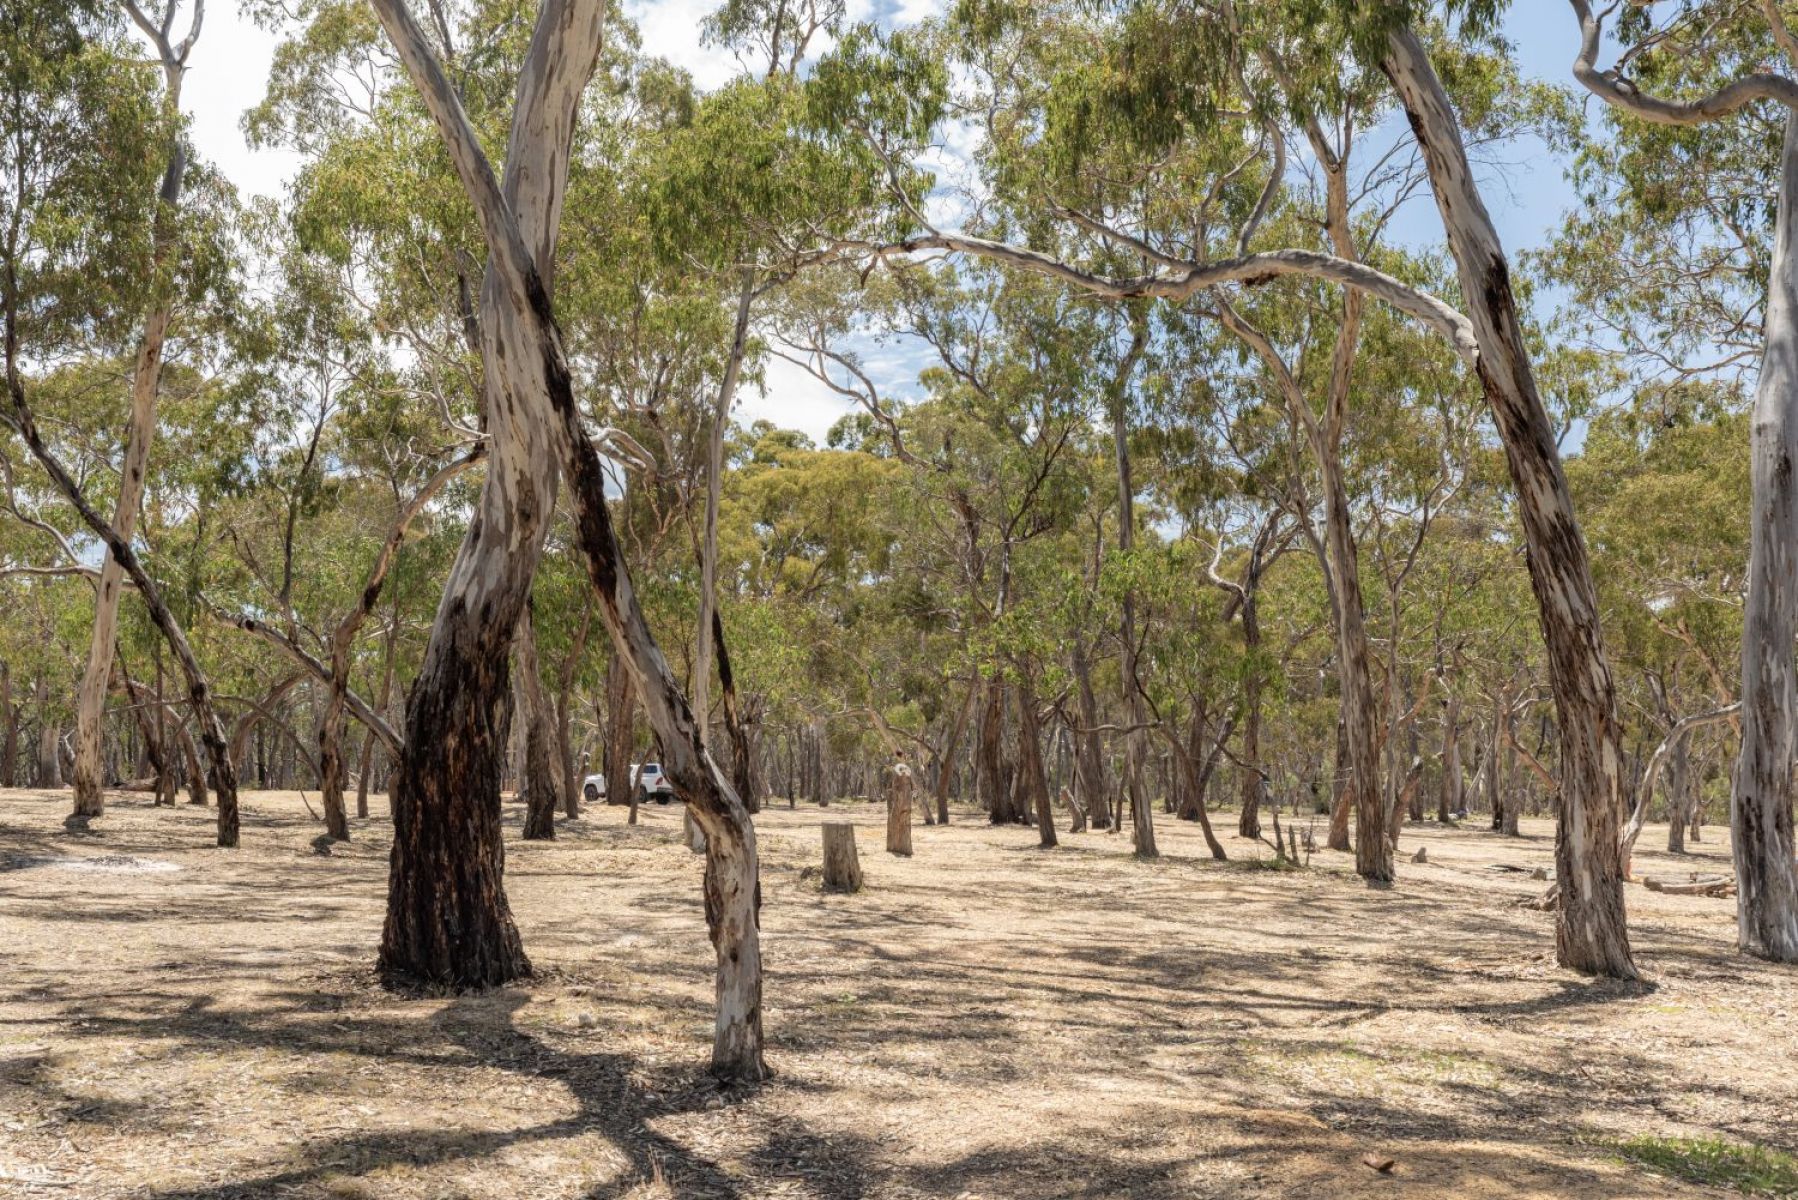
column 985, row 1021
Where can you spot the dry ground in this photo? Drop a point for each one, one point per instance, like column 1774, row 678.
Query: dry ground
column 984, row 1021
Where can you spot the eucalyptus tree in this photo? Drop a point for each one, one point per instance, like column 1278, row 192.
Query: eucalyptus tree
column 1702, row 64
column 1121, row 89
column 79, row 161
column 90, row 712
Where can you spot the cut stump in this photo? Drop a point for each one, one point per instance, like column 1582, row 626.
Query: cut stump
column 842, row 869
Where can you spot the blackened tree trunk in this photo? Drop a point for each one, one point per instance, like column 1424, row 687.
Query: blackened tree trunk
column 541, row 779
column 732, row 888
column 448, row 920
column 9, row 731
column 1590, row 934
column 742, row 756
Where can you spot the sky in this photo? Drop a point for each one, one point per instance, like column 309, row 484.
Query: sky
column 1524, row 185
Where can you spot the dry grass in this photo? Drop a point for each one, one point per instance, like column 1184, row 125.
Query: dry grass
column 985, row 1020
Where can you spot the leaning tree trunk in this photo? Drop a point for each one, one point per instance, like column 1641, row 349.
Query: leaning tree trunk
column 448, row 920
column 732, row 884
column 1761, row 804
column 571, row 771
column 146, row 378
column 1590, row 934
column 542, row 777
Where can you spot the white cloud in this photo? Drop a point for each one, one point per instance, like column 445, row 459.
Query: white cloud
column 228, row 73
column 793, row 398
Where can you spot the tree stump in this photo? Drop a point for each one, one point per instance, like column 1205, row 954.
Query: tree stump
column 899, row 811
column 842, row 869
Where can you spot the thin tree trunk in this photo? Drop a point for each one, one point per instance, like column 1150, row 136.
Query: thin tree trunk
column 383, row 703
column 541, row 779
column 947, row 761
column 140, row 430
column 1591, row 934
column 620, row 719
column 1030, row 761
column 709, row 628
column 1142, row 816
column 9, row 731
column 571, row 778
column 1449, row 797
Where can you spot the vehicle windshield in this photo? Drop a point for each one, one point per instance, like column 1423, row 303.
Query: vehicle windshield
column 652, row 768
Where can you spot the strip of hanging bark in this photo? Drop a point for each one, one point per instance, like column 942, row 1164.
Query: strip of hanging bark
column 732, row 889
column 742, row 763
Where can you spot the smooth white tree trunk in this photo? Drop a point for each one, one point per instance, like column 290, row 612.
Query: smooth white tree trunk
column 1761, row 801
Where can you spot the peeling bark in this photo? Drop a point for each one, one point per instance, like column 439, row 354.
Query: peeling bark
column 1590, row 930
column 1761, row 801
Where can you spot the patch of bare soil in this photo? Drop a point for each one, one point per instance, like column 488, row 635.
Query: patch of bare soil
column 985, row 1020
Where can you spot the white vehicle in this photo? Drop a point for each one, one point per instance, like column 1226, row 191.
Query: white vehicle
column 651, row 784
column 594, row 788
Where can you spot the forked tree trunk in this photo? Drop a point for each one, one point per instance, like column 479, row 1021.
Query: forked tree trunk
column 732, row 884
column 448, row 919
column 1373, row 851
column 140, row 430
column 1761, row 803
column 1590, row 934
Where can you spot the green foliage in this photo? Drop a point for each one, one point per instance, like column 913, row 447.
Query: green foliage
column 1711, row 1162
